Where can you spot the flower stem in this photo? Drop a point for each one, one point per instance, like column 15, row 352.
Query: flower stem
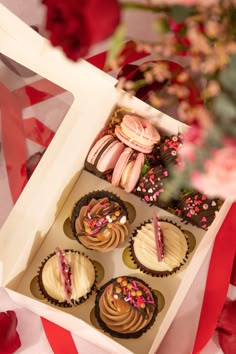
column 138, row 6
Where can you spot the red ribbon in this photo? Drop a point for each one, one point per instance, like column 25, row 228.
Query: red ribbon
column 218, row 279
column 60, row 339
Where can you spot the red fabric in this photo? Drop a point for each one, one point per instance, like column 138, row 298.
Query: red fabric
column 38, row 132
column 37, row 92
column 59, row 338
column 218, row 279
column 15, row 130
column 13, row 142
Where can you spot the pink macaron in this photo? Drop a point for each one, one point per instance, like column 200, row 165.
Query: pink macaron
column 138, row 133
column 128, row 169
column 104, row 154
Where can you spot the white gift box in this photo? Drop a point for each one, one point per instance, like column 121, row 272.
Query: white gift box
column 37, row 222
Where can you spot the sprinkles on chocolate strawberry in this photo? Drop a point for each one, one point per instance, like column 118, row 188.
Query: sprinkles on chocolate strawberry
column 197, row 209
column 169, row 150
column 151, row 185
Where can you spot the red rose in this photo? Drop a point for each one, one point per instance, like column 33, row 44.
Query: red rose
column 9, row 338
column 75, row 25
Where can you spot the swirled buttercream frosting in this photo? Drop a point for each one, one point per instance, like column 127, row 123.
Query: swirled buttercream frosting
column 100, row 224
column 126, row 307
column 145, row 252
column 66, row 277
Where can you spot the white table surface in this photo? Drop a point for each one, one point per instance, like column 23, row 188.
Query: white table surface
column 181, row 335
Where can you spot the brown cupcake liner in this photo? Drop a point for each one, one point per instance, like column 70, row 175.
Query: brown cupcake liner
column 64, row 304
column 124, row 335
column 85, row 201
column 146, row 270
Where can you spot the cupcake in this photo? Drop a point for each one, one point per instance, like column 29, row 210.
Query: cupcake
column 126, row 307
column 66, row 278
column 99, row 221
column 151, row 185
column 197, row 209
column 159, row 248
column 169, row 150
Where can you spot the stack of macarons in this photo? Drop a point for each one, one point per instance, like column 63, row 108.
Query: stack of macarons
column 123, row 153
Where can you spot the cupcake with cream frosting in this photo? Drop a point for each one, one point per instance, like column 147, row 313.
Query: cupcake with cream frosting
column 99, row 221
column 66, row 278
column 159, row 248
column 126, row 307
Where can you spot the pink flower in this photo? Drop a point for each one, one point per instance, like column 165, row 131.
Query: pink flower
column 219, row 178
column 192, row 139
column 9, row 338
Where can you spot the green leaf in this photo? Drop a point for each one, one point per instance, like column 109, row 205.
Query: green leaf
column 224, row 108
column 161, row 25
column 214, row 138
column 117, row 44
column 179, row 13
column 146, row 167
column 228, row 76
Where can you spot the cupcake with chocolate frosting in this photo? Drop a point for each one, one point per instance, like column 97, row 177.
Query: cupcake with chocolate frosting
column 159, row 248
column 66, row 278
column 126, row 307
column 99, row 221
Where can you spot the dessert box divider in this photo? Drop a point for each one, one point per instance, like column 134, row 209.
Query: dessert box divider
column 37, row 223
